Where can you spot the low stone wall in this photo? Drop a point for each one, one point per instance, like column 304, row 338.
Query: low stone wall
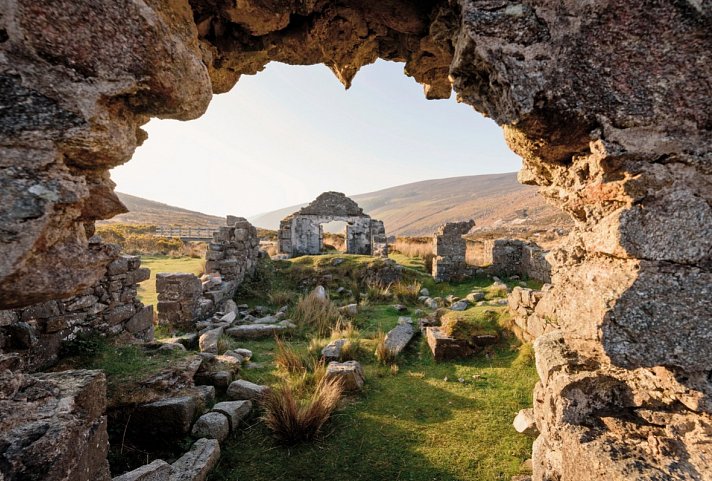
column 111, row 308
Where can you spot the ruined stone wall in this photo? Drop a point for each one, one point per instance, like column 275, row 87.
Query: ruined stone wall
column 450, row 250
column 109, row 308
column 379, row 239
column 231, row 257
column 532, row 318
column 508, row 257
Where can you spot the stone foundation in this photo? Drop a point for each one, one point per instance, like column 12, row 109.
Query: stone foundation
column 109, row 308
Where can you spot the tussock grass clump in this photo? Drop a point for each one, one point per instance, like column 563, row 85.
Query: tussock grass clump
column 287, row 359
column 377, row 293
column 317, row 313
column 282, row 298
column 224, row 344
column 292, row 420
column 383, row 354
column 406, row 292
column 316, row 344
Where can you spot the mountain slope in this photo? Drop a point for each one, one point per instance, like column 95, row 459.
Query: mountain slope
column 144, row 211
column 421, row 207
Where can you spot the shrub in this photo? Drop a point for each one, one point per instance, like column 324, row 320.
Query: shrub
column 293, row 421
column 287, row 358
column 407, row 293
column 383, row 354
column 317, row 313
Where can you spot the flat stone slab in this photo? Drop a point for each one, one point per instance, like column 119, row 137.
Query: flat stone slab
column 245, row 390
column 350, row 374
column 158, row 470
column 213, row 425
column 256, row 331
column 399, row 337
column 235, row 411
column 332, row 352
column 196, row 464
column 444, row 347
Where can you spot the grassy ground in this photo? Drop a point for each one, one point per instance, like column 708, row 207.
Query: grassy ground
column 420, row 421
column 147, row 289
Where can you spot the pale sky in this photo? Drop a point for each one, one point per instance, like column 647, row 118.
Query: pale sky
column 289, row 133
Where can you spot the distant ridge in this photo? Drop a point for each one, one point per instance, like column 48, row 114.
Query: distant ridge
column 144, row 211
column 418, row 208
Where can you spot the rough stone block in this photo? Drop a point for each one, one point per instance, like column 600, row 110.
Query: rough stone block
column 213, row 425
column 245, row 390
column 170, row 417
column 196, row 464
column 444, row 347
column 350, row 374
column 399, row 337
column 236, row 411
column 158, row 470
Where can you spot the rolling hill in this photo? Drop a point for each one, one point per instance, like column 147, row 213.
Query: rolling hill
column 495, row 201
column 144, row 211
column 420, row 208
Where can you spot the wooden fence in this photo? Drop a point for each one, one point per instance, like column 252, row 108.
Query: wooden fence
column 186, row 233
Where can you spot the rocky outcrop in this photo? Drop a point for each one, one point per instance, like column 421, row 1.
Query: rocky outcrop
column 606, row 102
column 53, row 426
column 302, row 233
column 109, row 308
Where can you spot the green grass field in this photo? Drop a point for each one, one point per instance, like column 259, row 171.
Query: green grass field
column 421, row 421
column 147, row 289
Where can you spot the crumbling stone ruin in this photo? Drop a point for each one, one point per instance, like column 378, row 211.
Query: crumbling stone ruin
column 606, row 102
column 110, row 308
column 514, row 257
column 231, row 257
column 302, row 233
column 450, row 250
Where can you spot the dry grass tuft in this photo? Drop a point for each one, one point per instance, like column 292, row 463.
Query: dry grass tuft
column 293, row 421
column 317, row 313
column 281, row 298
column 224, row 344
column 407, row 293
column 383, row 354
column 413, row 246
column 377, row 293
column 287, row 358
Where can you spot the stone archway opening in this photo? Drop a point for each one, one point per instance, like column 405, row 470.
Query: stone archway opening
column 607, row 103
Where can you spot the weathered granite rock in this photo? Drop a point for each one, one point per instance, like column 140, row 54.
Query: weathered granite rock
column 158, row 470
column 525, row 423
column 332, row 351
column 350, row 374
column 53, row 426
column 460, row 305
column 246, row 390
column 349, row 310
column 212, row 425
column 256, row 331
column 208, row 341
column 399, row 337
column 235, row 411
column 196, row 464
